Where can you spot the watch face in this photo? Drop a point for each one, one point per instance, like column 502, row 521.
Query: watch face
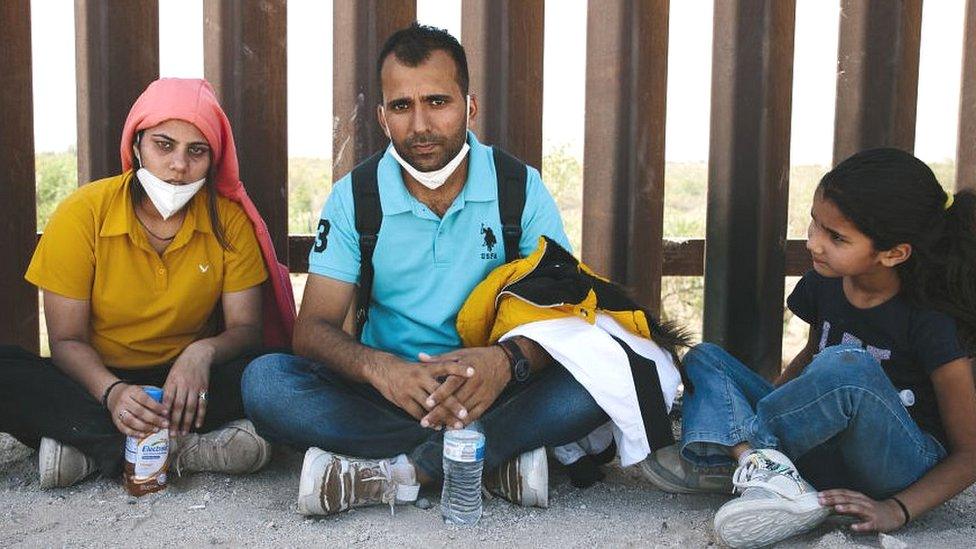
column 521, row 370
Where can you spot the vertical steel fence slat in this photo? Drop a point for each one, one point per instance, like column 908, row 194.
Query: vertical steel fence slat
column 117, row 56
column 504, row 43
column 359, row 29
column 18, row 212
column 748, row 179
column 623, row 172
column 877, row 75
column 966, row 148
column 245, row 58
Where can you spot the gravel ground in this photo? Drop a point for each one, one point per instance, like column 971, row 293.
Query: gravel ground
column 259, row 510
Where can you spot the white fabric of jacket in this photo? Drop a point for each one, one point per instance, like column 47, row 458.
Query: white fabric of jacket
column 601, row 366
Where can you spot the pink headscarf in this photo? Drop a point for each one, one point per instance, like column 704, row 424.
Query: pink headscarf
column 193, row 100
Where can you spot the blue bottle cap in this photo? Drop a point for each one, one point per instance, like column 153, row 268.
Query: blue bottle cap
column 154, row 392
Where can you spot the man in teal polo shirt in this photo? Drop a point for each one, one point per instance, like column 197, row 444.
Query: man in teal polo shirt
column 372, row 411
column 427, row 262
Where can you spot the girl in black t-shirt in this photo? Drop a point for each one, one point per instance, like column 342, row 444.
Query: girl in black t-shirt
column 879, row 408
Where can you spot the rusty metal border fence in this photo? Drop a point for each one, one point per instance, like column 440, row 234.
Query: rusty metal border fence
column 745, row 254
column 966, row 144
column 748, row 178
column 623, row 194
column 18, row 217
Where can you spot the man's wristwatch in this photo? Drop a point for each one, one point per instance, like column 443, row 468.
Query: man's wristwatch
column 517, row 362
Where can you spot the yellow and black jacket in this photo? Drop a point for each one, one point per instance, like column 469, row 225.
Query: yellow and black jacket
column 550, row 283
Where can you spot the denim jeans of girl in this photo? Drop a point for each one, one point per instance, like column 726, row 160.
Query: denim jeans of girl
column 841, row 420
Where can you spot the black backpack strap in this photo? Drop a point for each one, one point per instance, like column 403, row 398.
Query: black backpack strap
column 369, row 217
column 511, row 174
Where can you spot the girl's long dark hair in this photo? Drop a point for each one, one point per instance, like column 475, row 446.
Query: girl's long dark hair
column 138, row 193
column 894, row 198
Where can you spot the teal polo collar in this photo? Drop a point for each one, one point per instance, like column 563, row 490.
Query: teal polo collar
column 480, row 185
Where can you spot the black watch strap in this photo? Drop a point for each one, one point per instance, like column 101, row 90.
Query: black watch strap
column 517, row 361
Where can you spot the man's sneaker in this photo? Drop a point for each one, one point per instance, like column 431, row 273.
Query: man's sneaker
column 523, row 480
column 666, row 470
column 236, row 448
column 776, row 503
column 61, row 465
column 331, row 483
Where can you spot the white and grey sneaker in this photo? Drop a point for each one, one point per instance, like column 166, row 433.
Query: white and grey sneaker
column 331, row 483
column 236, row 448
column 522, row 480
column 61, row 465
column 776, row 503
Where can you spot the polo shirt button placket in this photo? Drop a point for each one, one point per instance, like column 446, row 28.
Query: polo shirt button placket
column 442, row 248
column 437, row 245
column 161, row 281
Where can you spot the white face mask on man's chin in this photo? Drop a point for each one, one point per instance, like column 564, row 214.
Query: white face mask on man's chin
column 432, row 179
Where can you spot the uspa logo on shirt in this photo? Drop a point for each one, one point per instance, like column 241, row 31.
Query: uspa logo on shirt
column 489, row 242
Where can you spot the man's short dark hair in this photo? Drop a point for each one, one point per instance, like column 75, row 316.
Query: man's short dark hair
column 414, row 44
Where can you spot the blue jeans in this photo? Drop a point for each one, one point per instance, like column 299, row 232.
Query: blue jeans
column 841, row 420
column 298, row 402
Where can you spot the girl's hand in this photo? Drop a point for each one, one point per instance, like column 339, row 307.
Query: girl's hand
column 185, row 391
column 134, row 412
column 876, row 516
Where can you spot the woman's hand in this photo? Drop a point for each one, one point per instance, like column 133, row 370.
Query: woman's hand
column 876, row 516
column 185, row 391
column 134, row 412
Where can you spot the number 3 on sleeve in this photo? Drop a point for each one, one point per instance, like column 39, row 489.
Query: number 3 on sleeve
column 322, row 238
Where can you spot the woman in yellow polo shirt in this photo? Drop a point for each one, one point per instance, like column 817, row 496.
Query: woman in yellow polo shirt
column 151, row 277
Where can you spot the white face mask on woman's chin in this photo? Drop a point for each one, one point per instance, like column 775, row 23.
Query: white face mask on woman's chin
column 433, row 179
column 167, row 198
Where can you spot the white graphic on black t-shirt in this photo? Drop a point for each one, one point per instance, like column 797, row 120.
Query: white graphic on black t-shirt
column 880, row 355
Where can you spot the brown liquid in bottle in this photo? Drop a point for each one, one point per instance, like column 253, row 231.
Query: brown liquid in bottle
column 147, row 459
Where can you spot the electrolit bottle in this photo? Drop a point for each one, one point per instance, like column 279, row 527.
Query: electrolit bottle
column 464, row 456
column 147, row 459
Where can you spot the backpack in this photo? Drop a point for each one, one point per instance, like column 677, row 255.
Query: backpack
column 511, row 175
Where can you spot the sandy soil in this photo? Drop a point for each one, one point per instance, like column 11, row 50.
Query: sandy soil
column 259, row 510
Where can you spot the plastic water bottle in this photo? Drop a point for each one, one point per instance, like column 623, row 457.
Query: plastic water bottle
column 464, row 456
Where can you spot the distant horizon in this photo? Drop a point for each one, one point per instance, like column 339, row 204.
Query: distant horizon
column 689, row 75
column 553, row 150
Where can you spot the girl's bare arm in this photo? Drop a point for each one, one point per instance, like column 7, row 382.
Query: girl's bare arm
column 956, row 394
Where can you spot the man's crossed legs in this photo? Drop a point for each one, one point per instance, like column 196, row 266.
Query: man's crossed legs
column 298, row 402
